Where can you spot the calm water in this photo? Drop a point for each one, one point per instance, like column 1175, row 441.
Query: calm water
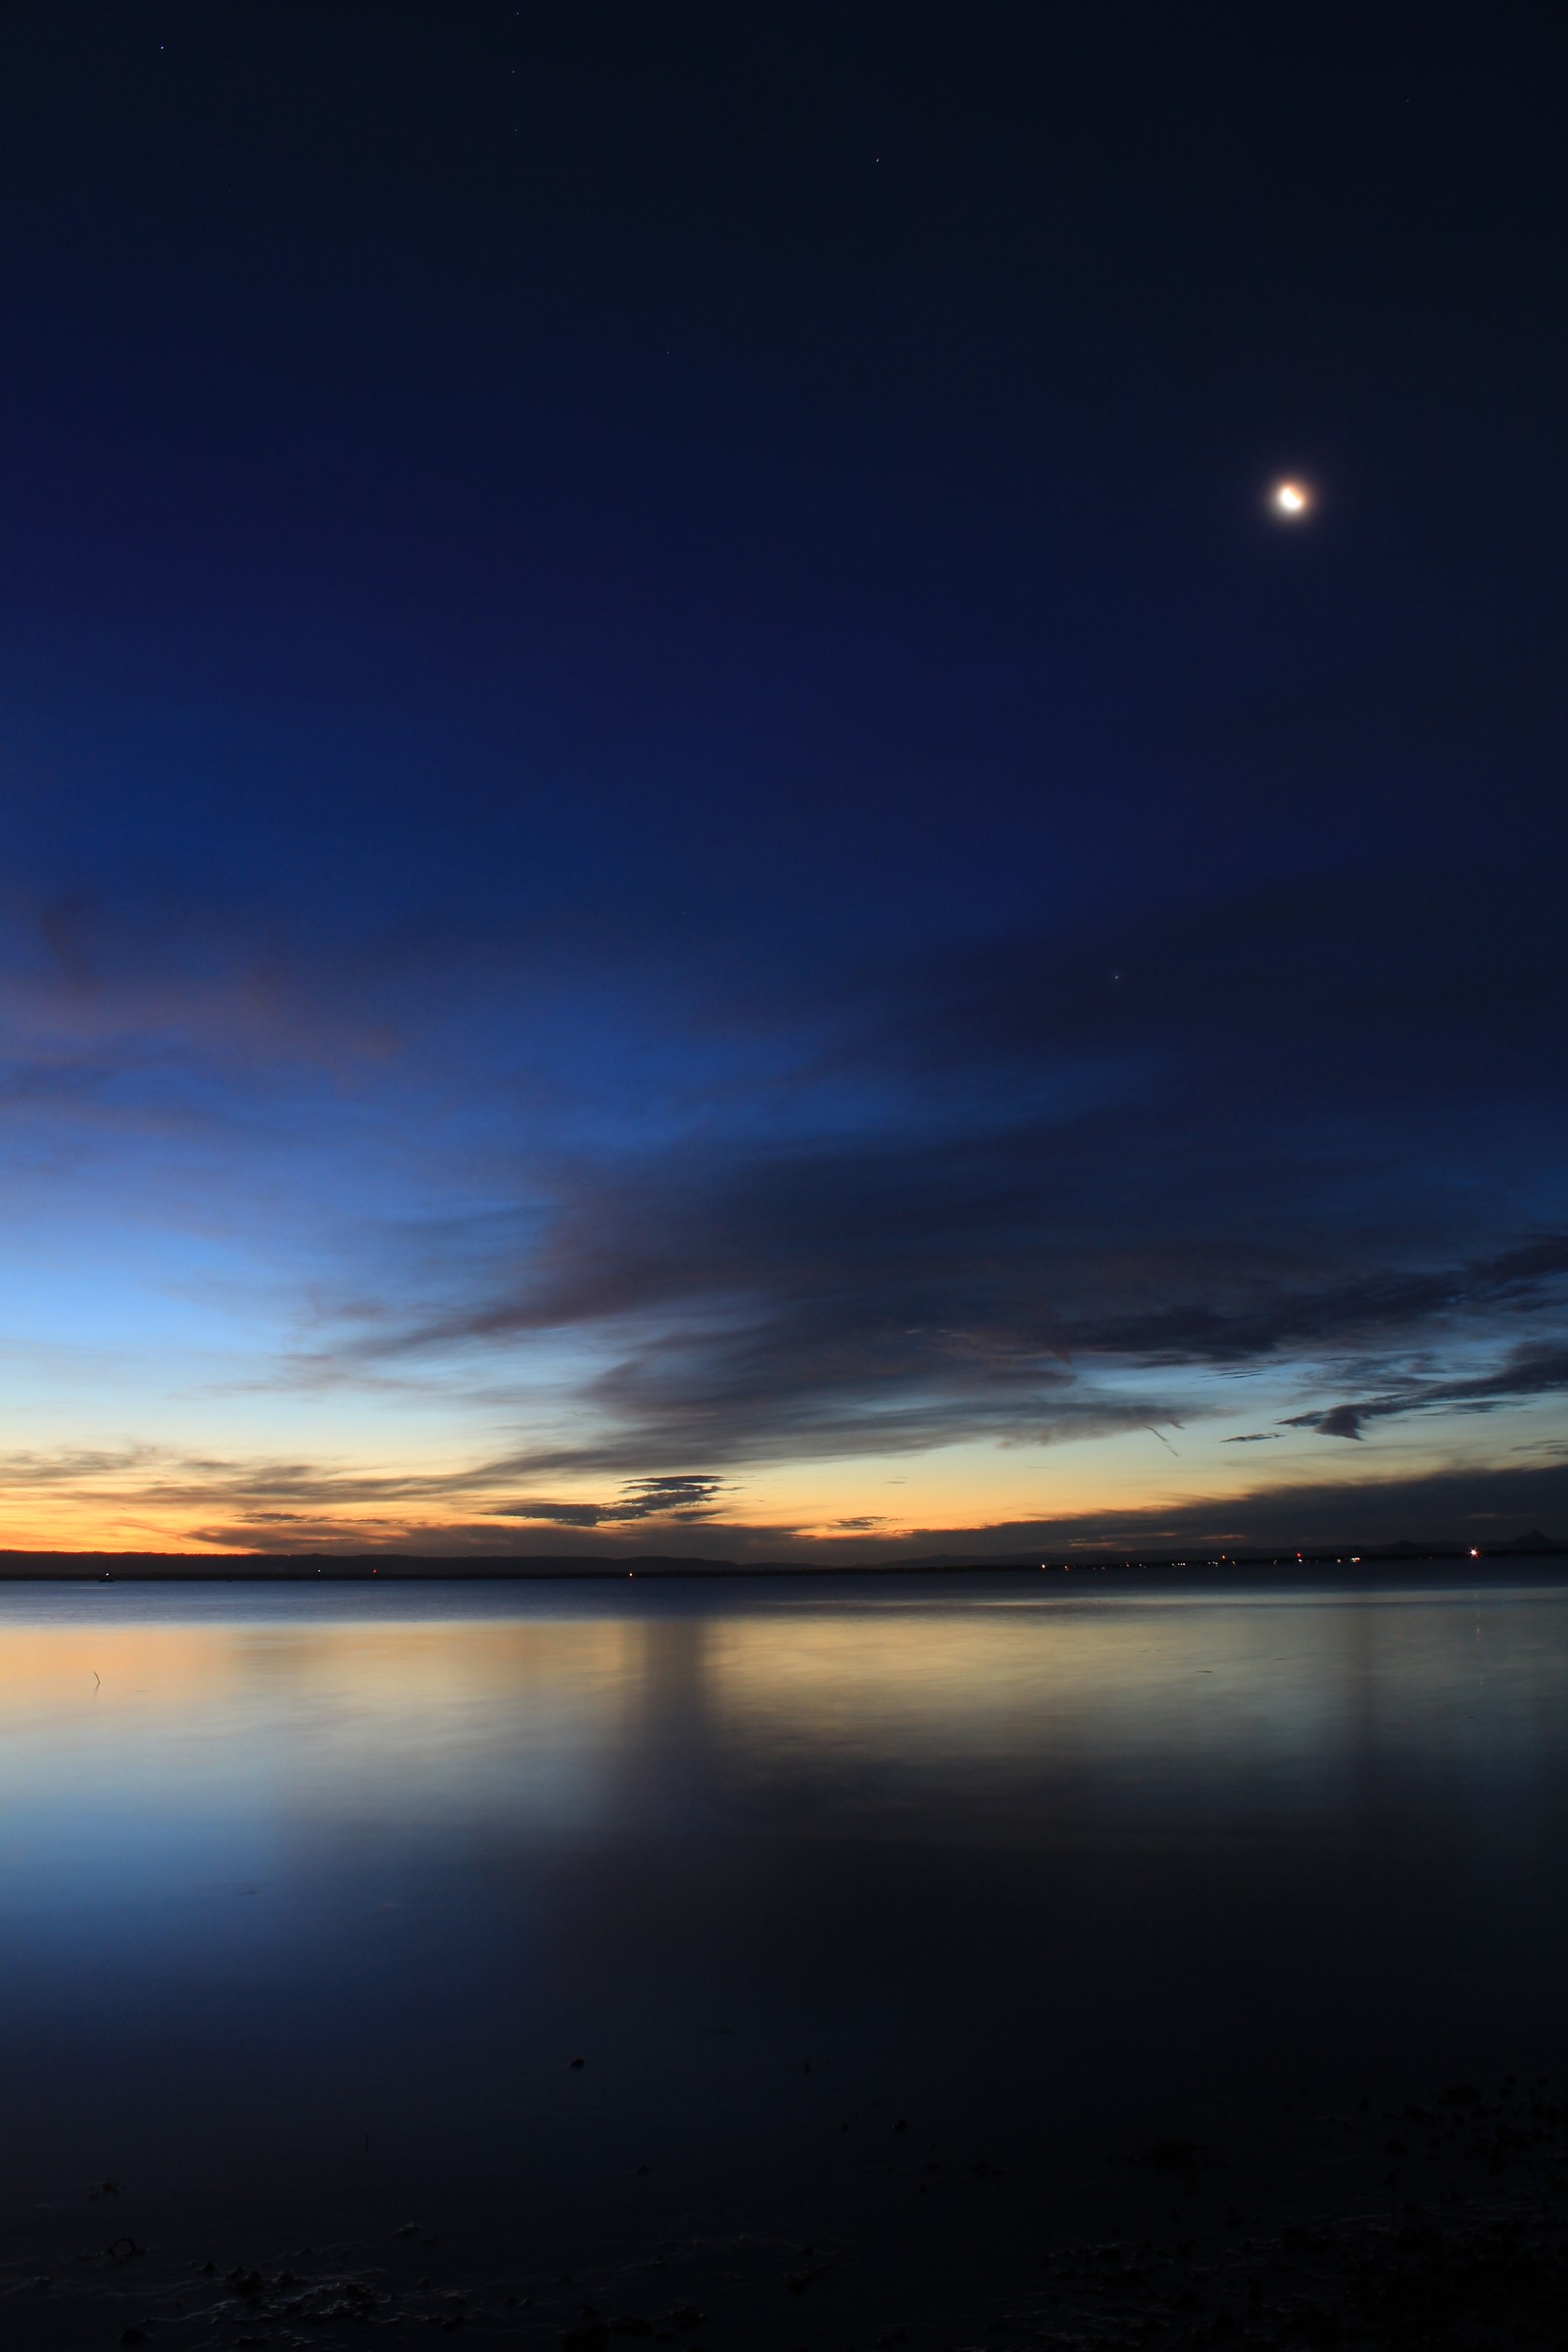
column 307, row 1897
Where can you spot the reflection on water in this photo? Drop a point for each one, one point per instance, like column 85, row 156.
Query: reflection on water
column 308, row 1896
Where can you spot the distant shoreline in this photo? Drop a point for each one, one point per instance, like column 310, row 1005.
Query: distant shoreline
column 151, row 1567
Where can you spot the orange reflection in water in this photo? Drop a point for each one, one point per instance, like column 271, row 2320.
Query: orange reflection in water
column 412, row 1720
column 312, row 1707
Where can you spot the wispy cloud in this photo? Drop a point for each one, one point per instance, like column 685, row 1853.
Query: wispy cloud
column 679, row 1500
column 1018, row 1196
column 1064, row 1206
column 1528, row 1372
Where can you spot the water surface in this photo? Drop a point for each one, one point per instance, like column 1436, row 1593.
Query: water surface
column 308, row 1898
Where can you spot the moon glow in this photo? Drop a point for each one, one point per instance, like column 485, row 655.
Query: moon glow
column 1290, row 500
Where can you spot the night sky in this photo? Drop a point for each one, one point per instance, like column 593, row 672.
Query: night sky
column 685, row 862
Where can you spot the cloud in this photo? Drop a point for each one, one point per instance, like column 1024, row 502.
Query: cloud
column 853, row 1301
column 76, row 1467
column 92, row 985
column 976, row 1196
column 995, row 1198
column 304, row 1504
column 680, row 1498
column 158, row 1504
column 1337, row 1421
column 1447, row 1504
column 1528, row 1372
column 159, row 1478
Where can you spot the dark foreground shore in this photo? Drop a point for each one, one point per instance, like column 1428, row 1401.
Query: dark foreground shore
column 1442, row 2222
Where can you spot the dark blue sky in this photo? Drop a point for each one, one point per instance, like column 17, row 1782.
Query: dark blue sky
column 682, row 858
